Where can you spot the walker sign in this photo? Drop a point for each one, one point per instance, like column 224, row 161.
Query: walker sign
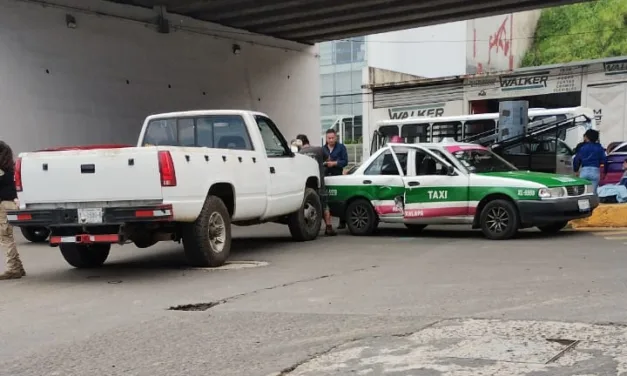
column 615, row 67
column 433, row 110
column 537, row 81
column 452, row 108
column 561, row 80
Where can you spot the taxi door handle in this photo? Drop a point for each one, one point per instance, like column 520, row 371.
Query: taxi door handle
column 367, row 181
column 413, row 183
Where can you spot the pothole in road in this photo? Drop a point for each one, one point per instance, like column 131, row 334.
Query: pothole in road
column 236, row 265
column 194, row 307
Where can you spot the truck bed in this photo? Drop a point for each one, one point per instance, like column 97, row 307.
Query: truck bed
column 83, row 176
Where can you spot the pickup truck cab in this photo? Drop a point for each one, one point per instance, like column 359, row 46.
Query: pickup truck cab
column 191, row 175
column 455, row 183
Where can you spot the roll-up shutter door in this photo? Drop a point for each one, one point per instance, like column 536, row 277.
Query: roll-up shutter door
column 384, row 98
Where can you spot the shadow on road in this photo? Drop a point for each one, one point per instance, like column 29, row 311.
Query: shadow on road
column 170, row 259
column 401, row 232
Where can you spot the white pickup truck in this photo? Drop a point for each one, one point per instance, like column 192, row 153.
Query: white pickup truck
column 191, row 175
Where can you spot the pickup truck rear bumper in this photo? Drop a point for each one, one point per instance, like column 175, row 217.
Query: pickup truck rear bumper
column 89, row 217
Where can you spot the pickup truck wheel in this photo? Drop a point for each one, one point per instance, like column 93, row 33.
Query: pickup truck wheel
column 35, row 234
column 553, row 228
column 361, row 218
column 207, row 241
column 499, row 220
column 304, row 224
column 84, row 256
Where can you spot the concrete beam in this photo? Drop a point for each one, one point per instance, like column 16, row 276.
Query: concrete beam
column 372, row 25
column 312, row 8
column 314, row 19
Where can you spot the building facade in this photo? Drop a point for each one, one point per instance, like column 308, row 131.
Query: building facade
column 600, row 85
column 488, row 44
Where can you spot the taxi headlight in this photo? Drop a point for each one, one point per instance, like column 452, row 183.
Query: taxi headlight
column 589, row 188
column 552, row 192
column 544, row 193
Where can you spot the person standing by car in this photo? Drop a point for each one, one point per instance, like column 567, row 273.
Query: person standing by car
column 8, row 201
column 589, row 159
column 317, row 154
column 336, row 158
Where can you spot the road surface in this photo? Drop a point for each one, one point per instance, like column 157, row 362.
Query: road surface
column 446, row 302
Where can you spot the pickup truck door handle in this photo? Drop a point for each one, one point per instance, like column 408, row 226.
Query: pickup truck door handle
column 272, row 171
column 413, row 183
column 239, row 159
column 367, row 181
column 88, row 168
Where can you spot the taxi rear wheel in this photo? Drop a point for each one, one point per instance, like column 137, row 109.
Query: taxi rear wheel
column 499, row 220
column 361, row 218
column 553, row 228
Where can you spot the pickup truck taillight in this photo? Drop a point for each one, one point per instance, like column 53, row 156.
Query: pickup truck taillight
column 18, row 174
column 166, row 169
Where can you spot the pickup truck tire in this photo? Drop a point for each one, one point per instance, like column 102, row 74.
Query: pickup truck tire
column 207, row 241
column 304, row 224
column 84, row 256
column 499, row 220
column 361, row 219
column 35, row 234
column 553, row 228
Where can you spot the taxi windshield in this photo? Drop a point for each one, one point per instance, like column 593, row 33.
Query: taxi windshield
column 478, row 160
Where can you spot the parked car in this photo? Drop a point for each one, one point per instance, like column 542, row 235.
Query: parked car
column 615, row 159
column 455, row 183
column 191, row 175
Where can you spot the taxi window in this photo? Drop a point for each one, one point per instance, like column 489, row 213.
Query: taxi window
column 384, row 164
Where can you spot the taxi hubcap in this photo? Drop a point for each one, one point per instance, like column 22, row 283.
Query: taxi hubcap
column 498, row 219
column 359, row 217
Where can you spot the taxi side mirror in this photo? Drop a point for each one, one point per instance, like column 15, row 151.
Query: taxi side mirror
column 450, row 170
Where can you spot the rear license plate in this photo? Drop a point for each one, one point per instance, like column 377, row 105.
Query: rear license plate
column 91, row 215
column 584, row 205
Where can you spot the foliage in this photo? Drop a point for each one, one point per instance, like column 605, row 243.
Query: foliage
column 582, row 31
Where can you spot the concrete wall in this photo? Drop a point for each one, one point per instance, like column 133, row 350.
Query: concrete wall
column 499, row 43
column 96, row 83
column 432, row 51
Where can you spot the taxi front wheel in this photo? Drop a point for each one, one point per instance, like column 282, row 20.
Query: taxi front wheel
column 361, row 218
column 499, row 220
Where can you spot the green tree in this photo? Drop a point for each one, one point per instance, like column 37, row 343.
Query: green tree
column 582, row 31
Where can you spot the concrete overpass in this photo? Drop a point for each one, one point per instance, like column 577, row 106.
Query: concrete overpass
column 313, row 21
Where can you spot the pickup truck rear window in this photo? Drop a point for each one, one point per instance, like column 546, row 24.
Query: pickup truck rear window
column 213, row 131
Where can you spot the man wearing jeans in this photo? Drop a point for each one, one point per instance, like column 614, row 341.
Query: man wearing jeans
column 317, row 153
column 336, row 158
column 589, row 159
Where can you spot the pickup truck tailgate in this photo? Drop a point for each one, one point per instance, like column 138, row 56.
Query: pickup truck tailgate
column 90, row 175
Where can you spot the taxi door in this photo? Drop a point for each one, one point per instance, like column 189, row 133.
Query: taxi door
column 436, row 191
column 383, row 183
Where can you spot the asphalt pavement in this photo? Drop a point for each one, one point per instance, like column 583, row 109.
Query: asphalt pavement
column 445, row 302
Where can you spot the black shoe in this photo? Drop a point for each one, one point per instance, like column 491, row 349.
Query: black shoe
column 329, row 231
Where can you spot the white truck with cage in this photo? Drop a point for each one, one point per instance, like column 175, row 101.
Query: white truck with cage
column 191, row 175
column 548, row 145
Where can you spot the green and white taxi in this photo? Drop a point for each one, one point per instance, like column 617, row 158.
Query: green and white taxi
column 455, row 183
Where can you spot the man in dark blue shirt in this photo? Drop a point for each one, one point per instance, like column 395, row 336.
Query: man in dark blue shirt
column 336, row 156
column 335, row 159
column 589, row 159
